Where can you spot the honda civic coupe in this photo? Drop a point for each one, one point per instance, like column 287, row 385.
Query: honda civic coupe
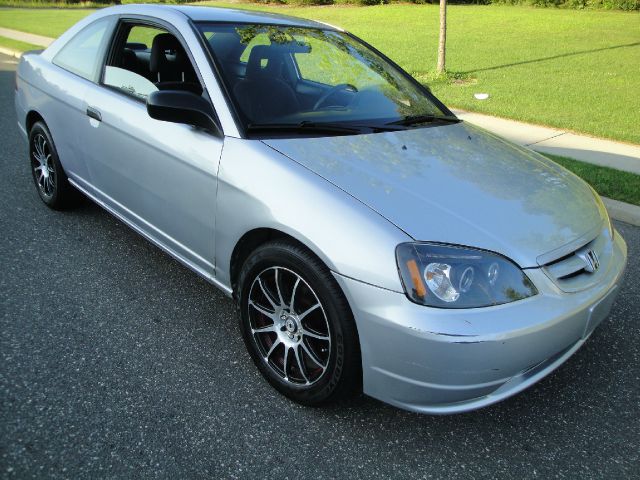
column 371, row 240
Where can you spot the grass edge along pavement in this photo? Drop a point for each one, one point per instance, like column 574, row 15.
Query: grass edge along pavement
column 608, row 182
column 16, row 46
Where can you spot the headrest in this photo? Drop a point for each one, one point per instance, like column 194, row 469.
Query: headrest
column 129, row 60
column 159, row 61
column 272, row 54
column 226, row 45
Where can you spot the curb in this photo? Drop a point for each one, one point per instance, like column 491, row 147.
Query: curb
column 10, row 52
column 604, row 152
column 625, row 212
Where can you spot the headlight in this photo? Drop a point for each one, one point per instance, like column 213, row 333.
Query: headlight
column 448, row 276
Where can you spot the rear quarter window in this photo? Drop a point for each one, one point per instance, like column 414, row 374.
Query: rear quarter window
column 81, row 54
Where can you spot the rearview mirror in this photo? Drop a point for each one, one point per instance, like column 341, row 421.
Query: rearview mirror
column 178, row 106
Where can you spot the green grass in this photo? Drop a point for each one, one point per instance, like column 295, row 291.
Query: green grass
column 16, row 45
column 608, row 182
column 47, row 22
column 575, row 70
column 47, row 4
column 64, row 5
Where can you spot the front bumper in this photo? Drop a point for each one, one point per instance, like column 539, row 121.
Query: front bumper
column 448, row 361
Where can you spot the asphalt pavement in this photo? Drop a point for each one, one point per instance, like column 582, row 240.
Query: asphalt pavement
column 118, row 362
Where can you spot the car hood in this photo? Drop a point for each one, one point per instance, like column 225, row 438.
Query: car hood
column 456, row 184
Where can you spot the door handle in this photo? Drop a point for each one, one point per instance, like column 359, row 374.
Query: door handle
column 93, row 113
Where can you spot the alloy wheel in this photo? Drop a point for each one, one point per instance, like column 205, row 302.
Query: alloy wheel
column 289, row 326
column 43, row 166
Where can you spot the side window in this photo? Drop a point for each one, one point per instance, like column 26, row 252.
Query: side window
column 129, row 70
column 149, row 59
column 82, row 53
column 129, row 82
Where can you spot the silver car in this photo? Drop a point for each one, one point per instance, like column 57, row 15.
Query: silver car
column 371, row 240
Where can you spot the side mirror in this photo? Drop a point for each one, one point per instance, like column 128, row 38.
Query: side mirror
column 178, row 106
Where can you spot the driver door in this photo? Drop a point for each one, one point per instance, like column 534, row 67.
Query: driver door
column 159, row 177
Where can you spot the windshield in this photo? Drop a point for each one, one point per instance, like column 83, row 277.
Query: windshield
column 281, row 77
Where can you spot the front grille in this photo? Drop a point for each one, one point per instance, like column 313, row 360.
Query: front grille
column 582, row 267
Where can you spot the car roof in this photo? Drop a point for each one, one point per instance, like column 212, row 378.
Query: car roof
column 232, row 15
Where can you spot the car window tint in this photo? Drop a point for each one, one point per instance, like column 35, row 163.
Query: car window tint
column 81, row 54
column 289, row 75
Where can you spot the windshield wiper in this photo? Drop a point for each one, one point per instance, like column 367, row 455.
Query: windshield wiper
column 302, row 127
column 416, row 119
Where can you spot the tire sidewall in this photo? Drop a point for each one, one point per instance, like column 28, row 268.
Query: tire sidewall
column 316, row 278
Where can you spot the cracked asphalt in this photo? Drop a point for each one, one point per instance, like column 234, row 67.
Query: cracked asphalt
column 116, row 361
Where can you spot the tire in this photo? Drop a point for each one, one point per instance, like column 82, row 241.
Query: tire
column 322, row 364
column 48, row 175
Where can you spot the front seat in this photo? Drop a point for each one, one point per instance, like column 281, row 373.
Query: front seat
column 170, row 65
column 129, row 61
column 262, row 94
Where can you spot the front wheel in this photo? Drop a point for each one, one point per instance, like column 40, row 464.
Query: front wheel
column 297, row 325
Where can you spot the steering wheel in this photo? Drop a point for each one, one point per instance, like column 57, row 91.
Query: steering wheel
column 333, row 90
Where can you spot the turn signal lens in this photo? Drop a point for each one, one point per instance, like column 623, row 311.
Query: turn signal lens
column 419, row 287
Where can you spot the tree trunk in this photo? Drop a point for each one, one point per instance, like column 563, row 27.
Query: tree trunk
column 442, row 45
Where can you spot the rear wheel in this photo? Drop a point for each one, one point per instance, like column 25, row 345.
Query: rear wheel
column 49, row 177
column 297, row 325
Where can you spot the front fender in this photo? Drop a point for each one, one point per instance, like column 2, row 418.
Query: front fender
column 261, row 188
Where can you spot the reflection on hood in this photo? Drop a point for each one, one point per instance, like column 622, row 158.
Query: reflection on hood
column 456, row 184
